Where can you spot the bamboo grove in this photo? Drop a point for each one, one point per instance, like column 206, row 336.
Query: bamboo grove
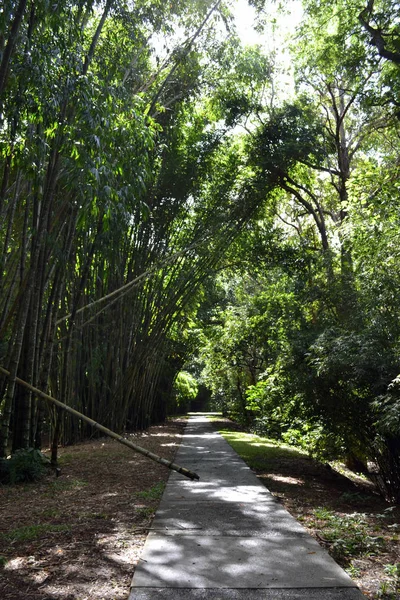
column 108, row 222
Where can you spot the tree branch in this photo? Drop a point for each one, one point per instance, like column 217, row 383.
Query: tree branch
column 377, row 36
column 188, row 47
column 12, row 40
column 90, row 54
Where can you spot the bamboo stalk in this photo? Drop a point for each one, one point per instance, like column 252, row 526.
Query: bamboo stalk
column 105, row 430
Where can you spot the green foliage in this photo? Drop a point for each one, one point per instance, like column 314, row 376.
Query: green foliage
column 305, row 340
column 257, row 451
column 393, row 570
column 185, row 390
column 293, row 134
column 138, row 227
column 60, row 485
column 23, row 466
column 153, row 493
column 387, row 409
column 32, row 532
column 348, row 535
column 246, row 75
column 390, row 589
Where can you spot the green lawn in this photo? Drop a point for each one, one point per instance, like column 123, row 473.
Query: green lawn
column 258, row 451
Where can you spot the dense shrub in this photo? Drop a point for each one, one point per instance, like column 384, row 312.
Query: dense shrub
column 23, row 466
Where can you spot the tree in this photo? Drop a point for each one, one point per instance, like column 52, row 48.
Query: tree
column 314, row 159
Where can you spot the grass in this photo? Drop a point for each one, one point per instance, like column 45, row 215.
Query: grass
column 145, row 512
column 50, row 513
column 82, row 533
column 256, row 451
column 62, row 485
column 153, row 493
column 349, row 535
column 390, row 589
column 32, row 532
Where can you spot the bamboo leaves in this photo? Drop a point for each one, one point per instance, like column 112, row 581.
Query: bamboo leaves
column 111, row 220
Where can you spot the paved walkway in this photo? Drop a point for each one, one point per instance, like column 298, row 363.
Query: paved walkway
column 226, row 537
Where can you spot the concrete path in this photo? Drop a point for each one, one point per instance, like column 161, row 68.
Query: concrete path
column 226, row 537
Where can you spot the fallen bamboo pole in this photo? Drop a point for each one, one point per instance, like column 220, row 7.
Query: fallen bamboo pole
column 112, row 434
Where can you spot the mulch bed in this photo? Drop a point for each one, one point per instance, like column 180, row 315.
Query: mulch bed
column 79, row 536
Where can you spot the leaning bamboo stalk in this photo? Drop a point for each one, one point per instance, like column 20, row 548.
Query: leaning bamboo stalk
column 105, row 430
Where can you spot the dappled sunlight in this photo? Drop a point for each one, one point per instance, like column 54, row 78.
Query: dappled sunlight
column 90, row 581
column 20, row 562
column 285, row 479
column 78, row 573
column 254, row 441
column 40, row 576
column 228, row 531
column 86, row 539
column 162, row 434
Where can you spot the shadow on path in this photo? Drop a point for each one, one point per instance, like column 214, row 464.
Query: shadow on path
column 228, row 532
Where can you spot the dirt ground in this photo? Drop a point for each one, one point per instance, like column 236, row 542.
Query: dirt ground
column 370, row 531
column 79, row 536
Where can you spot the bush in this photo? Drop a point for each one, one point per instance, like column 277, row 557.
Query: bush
column 26, row 465
column 314, row 439
column 267, row 426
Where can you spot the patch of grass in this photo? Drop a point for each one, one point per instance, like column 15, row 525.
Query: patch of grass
column 145, row 512
column 32, row 532
column 340, row 510
column 323, row 513
column 65, row 459
column 94, row 515
column 180, row 416
column 353, row 571
column 393, row 570
column 153, row 493
column 390, row 589
column 50, row 513
column 213, row 416
column 64, row 484
column 257, row 451
column 349, row 535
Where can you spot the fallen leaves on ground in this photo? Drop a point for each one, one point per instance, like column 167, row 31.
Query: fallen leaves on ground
column 79, row 536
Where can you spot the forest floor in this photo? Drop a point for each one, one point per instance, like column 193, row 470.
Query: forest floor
column 79, row 536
